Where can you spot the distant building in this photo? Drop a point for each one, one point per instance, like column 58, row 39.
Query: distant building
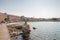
column 8, row 18
column 2, row 16
column 13, row 18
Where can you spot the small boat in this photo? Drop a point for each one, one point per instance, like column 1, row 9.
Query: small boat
column 34, row 28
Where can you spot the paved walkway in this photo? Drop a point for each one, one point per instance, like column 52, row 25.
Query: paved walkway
column 4, row 35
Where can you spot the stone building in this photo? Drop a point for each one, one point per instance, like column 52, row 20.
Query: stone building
column 2, row 16
column 13, row 18
column 9, row 18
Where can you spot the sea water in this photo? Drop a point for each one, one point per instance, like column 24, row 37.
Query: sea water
column 43, row 31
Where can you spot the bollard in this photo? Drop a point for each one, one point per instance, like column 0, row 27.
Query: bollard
column 4, row 34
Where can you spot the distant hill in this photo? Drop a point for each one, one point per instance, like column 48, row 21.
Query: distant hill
column 12, row 18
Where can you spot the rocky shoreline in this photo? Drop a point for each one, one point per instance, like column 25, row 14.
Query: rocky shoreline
column 15, row 30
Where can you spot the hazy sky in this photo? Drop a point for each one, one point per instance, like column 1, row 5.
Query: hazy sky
column 31, row 8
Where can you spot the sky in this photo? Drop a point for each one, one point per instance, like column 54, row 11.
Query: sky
column 31, row 8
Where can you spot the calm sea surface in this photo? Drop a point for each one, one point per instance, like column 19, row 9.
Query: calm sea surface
column 44, row 31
